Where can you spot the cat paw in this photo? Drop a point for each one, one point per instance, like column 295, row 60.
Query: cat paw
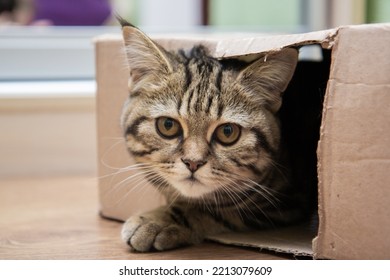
column 146, row 233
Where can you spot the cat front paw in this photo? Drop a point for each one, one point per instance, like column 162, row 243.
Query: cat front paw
column 155, row 232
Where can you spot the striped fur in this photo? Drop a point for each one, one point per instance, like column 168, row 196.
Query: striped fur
column 210, row 187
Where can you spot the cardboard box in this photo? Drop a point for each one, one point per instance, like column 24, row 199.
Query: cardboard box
column 353, row 154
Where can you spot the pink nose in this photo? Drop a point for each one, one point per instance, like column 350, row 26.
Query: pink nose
column 193, row 165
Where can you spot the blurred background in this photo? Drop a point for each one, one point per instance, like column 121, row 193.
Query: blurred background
column 280, row 15
column 47, row 71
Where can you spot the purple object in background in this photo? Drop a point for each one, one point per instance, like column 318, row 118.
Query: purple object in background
column 72, row 12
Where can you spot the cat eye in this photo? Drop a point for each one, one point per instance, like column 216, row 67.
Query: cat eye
column 168, row 127
column 227, row 134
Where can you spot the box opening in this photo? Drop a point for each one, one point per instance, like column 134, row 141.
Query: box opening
column 301, row 115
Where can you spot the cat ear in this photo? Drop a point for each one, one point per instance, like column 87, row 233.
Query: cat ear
column 148, row 62
column 269, row 76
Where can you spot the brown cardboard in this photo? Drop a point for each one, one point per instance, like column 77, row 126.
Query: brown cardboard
column 353, row 152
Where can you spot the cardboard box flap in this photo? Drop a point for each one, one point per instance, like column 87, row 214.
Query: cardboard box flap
column 225, row 46
column 291, row 240
column 255, row 45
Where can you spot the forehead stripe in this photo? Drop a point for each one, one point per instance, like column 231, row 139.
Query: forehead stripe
column 188, row 77
column 218, row 80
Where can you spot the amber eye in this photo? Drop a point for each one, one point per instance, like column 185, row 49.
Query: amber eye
column 227, row 134
column 168, row 128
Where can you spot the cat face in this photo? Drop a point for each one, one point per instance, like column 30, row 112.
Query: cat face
column 198, row 125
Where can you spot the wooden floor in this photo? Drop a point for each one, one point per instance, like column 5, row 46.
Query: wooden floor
column 57, row 218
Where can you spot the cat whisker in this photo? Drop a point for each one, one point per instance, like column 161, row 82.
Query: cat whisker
column 109, row 150
column 205, row 205
column 263, row 191
column 233, row 188
column 158, row 182
column 282, row 170
column 121, row 171
column 141, row 181
column 251, row 205
column 139, row 175
column 125, row 169
column 235, row 198
column 174, row 199
column 145, row 175
column 113, row 189
column 267, row 192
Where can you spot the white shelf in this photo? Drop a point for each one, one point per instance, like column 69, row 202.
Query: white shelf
column 47, row 89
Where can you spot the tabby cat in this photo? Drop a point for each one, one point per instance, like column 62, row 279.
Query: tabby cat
column 207, row 134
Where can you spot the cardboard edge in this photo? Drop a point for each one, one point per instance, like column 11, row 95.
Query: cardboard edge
column 293, row 240
column 106, row 37
column 275, row 43
column 269, row 248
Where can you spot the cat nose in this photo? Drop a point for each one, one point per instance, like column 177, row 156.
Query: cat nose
column 193, row 165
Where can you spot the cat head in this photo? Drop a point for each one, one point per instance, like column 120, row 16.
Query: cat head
column 202, row 125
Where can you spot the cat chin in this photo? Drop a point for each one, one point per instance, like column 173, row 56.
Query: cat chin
column 192, row 188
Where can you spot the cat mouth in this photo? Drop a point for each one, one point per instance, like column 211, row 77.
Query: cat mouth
column 192, row 180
